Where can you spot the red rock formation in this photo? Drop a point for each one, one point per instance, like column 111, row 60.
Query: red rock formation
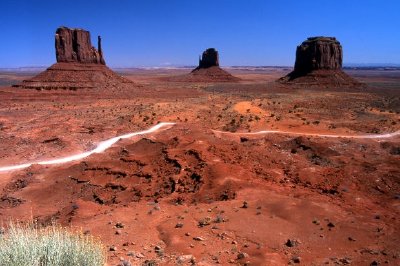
column 207, row 71
column 319, row 63
column 209, row 58
column 74, row 45
column 79, row 65
column 318, row 53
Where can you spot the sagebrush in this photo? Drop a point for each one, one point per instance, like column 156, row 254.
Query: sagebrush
column 33, row 245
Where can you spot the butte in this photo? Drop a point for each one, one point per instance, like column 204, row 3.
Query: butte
column 319, row 64
column 79, row 65
column 208, row 70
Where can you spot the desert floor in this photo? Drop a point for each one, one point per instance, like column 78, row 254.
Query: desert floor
column 208, row 189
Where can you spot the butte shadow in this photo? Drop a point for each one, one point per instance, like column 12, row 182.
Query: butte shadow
column 207, row 71
column 79, row 65
column 319, row 65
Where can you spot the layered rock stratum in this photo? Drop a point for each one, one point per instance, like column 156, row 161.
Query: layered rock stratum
column 79, row 65
column 319, row 63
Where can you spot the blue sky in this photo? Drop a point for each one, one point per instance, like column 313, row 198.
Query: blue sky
column 163, row 32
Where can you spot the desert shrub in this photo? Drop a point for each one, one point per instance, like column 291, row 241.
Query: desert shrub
column 32, row 245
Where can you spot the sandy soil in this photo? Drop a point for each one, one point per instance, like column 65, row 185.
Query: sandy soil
column 191, row 194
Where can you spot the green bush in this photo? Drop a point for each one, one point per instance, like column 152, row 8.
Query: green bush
column 32, row 245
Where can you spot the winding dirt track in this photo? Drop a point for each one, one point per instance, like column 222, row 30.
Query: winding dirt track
column 263, row 132
column 104, row 145
column 101, row 147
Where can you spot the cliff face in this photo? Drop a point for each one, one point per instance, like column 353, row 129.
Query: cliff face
column 74, row 45
column 318, row 53
column 319, row 64
column 209, row 58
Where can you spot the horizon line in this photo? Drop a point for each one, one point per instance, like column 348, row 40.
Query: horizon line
column 351, row 65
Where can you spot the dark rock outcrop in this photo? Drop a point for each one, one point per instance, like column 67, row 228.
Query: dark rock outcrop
column 209, row 58
column 318, row 53
column 74, row 45
column 207, row 71
column 79, row 65
column 319, row 64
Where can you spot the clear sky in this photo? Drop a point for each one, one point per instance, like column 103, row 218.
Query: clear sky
column 164, row 32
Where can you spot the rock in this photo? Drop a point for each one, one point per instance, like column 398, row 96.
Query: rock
column 179, row 225
column 242, row 255
column 119, row 225
column 159, row 250
column 74, row 45
column 149, row 263
column 185, row 259
column 296, row 259
column 140, row 255
column 291, row 243
column 204, row 222
column 125, row 263
column 209, row 58
column 330, row 225
column 374, row 263
column 345, row 261
column 319, row 64
column 245, row 205
column 113, row 248
column 318, row 53
column 198, row 238
column 207, row 71
column 79, row 66
column 243, row 139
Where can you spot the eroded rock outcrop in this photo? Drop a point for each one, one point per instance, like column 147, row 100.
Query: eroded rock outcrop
column 208, row 70
column 319, row 63
column 74, row 45
column 79, row 65
column 318, row 53
column 209, row 58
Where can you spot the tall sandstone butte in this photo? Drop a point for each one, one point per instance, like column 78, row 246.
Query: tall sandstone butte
column 79, row 65
column 318, row 53
column 319, row 63
column 209, row 58
column 74, row 45
column 208, row 70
